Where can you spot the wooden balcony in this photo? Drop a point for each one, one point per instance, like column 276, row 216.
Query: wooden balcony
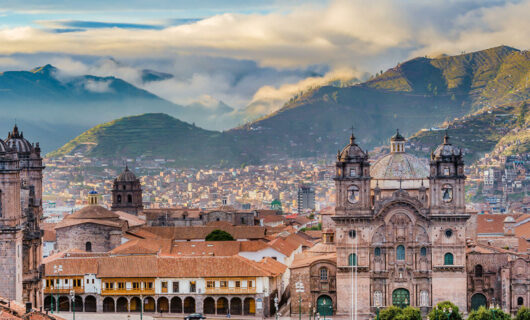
column 63, row 290
column 126, row 292
column 228, row 290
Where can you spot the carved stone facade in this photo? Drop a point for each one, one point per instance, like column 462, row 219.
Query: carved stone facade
column 400, row 229
column 20, row 214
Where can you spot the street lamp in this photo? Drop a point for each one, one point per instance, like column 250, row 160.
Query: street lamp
column 56, row 269
column 72, row 296
column 276, row 306
column 447, row 312
column 299, row 289
column 492, row 307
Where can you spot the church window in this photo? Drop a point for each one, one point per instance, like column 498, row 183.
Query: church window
column 129, row 198
column 448, row 259
column 324, row 274
column 352, row 234
column 353, row 172
column 446, row 171
column 423, row 251
column 353, row 194
column 478, row 270
column 520, row 301
column 123, row 187
column 377, row 252
column 119, row 198
column 447, row 193
column 352, row 259
column 400, row 252
column 448, row 233
column 88, row 246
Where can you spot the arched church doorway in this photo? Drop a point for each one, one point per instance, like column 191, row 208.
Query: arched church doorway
column 478, row 300
column 401, row 298
column 325, row 306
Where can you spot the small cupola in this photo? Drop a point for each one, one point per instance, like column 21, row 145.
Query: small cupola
column 397, row 143
column 93, row 198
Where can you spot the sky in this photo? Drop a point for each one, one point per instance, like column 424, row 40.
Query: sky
column 248, row 52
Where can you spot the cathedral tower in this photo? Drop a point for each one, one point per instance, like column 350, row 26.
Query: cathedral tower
column 127, row 193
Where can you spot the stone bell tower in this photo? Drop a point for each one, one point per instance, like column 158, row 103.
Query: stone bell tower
column 352, row 181
column 127, row 193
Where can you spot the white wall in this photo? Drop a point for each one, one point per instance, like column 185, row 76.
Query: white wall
column 267, row 252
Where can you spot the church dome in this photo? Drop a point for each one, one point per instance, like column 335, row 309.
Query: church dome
column 447, row 149
column 126, row 176
column 399, row 166
column 16, row 141
column 351, row 152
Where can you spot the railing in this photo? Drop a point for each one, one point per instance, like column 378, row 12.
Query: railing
column 230, row 290
column 125, row 291
column 61, row 290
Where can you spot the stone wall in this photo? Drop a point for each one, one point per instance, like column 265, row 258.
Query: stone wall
column 101, row 237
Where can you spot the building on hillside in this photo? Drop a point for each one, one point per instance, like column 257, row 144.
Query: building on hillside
column 177, row 285
column 20, row 215
column 127, row 193
column 306, row 198
column 400, row 229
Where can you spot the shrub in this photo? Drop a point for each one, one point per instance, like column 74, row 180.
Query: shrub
column 484, row 314
column 219, row 235
column 396, row 313
column 523, row 314
column 437, row 313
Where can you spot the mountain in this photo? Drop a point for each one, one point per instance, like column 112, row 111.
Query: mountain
column 420, row 93
column 155, row 135
column 503, row 129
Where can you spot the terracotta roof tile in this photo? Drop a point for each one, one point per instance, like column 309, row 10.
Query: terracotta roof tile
column 306, row 260
column 72, row 266
column 93, row 212
column 200, row 232
column 127, row 267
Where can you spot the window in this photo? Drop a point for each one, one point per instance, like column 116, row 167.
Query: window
column 520, row 301
column 0, row 204
column 118, row 198
column 210, row 284
column 353, row 172
column 324, row 274
column 352, row 259
column 109, row 285
column 164, row 286
column 423, row 251
column 121, row 285
column 77, row 282
column 136, row 285
column 353, row 194
column 238, row 284
column 223, row 284
column 176, row 288
column 129, row 198
column 377, row 252
column 88, row 246
column 192, row 286
column 448, row 259
column 447, row 193
column 448, row 233
column 65, row 281
column 87, row 281
column 446, row 171
column 400, row 252
column 242, row 220
column 478, row 270
column 149, row 285
column 250, row 284
column 123, row 187
column 352, row 234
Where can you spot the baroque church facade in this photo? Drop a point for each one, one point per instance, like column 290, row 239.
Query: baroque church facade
column 400, row 229
column 20, row 214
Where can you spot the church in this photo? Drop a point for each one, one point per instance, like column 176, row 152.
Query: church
column 20, row 214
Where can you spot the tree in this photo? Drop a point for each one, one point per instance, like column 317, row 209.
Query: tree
column 396, row 313
column 219, row 235
column 438, row 313
column 523, row 314
column 390, row 313
column 488, row 314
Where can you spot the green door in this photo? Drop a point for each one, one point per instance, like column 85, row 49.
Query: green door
column 477, row 300
column 401, row 298
column 325, row 306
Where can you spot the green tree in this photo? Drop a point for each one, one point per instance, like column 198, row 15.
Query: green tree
column 409, row 313
column 523, row 314
column 390, row 313
column 445, row 310
column 219, row 235
column 488, row 314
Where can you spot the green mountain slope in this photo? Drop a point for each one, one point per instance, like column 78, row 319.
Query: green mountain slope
column 504, row 129
column 155, row 135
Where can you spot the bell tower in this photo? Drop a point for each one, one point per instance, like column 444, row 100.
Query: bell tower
column 446, row 179
column 127, row 193
column 352, row 181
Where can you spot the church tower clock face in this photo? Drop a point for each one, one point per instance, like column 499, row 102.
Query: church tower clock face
column 353, row 194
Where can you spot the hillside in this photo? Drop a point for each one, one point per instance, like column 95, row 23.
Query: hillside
column 503, row 129
column 420, row 93
column 155, row 135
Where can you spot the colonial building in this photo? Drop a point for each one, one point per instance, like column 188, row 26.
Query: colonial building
column 183, row 217
column 20, row 214
column 127, row 193
column 400, row 229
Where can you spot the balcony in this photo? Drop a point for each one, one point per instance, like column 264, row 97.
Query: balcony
column 125, row 291
column 63, row 290
column 230, row 290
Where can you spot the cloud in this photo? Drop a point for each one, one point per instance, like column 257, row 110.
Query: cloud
column 98, row 86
